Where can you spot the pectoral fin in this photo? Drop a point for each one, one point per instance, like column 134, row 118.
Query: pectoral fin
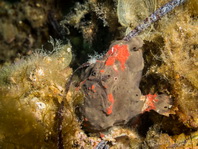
column 160, row 103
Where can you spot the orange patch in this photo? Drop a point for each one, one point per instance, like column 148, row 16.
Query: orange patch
column 93, row 88
column 110, row 108
column 151, row 99
column 102, row 70
column 118, row 53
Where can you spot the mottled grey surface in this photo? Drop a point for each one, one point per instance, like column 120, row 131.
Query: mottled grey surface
column 123, row 85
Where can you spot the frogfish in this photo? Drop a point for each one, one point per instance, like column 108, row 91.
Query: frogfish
column 111, row 88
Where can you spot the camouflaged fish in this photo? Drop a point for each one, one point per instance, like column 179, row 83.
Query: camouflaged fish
column 111, row 85
column 111, row 88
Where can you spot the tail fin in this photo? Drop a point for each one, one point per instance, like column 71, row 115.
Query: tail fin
column 160, row 103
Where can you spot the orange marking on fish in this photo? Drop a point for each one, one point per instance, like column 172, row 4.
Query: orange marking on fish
column 151, row 99
column 109, row 110
column 102, row 70
column 111, row 100
column 93, row 88
column 118, row 53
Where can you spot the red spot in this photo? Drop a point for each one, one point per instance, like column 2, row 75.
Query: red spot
column 102, row 135
column 111, row 100
column 101, row 70
column 109, row 109
column 85, row 119
column 151, row 100
column 118, row 53
column 93, row 88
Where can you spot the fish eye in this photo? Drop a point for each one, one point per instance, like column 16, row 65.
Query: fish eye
column 115, row 78
column 134, row 48
column 93, row 73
